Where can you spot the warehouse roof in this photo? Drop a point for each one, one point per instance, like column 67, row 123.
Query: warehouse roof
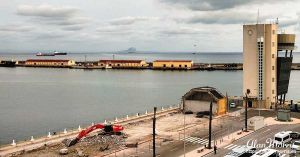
column 120, row 61
column 47, row 60
column 204, row 93
column 173, row 61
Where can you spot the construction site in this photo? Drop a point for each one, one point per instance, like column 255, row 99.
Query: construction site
column 178, row 130
column 135, row 140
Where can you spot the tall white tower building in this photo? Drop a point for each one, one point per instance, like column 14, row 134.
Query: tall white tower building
column 260, row 59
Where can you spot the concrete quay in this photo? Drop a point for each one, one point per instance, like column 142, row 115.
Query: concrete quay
column 18, row 148
column 90, row 65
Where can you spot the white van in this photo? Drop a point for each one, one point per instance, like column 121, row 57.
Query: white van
column 267, row 153
column 282, row 138
column 232, row 105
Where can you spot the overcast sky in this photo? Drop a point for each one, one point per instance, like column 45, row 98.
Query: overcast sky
column 150, row 25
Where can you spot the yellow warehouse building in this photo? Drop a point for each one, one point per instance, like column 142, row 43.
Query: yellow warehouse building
column 49, row 63
column 172, row 64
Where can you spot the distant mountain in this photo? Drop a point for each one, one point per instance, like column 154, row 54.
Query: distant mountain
column 130, row 50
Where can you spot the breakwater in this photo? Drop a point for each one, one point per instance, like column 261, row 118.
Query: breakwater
column 195, row 66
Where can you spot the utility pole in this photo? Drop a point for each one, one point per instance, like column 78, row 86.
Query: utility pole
column 209, row 128
column 246, row 113
column 154, row 121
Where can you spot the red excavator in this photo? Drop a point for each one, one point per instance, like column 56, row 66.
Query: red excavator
column 108, row 129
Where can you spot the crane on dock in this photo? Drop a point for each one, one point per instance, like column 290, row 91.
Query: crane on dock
column 108, row 129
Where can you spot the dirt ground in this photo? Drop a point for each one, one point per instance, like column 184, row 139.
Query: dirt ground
column 169, row 128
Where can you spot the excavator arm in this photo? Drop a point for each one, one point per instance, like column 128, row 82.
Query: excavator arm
column 108, row 128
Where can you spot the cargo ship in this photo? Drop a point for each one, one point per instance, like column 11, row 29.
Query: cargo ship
column 45, row 54
column 51, row 54
column 60, row 53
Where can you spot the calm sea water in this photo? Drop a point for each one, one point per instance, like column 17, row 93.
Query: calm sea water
column 34, row 101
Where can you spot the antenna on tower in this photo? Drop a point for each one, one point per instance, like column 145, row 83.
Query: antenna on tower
column 257, row 20
column 277, row 21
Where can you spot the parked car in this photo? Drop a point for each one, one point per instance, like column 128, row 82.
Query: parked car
column 296, row 146
column 295, row 135
column 206, row 113
column 188, row 112
column 294, row 107
column 199, row 115
column 232, row 105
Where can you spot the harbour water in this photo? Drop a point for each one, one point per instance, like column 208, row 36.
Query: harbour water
column 34, row 101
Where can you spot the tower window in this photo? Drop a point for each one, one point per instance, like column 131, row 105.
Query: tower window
column 273, row 55
column 273, row 67
column 273, row 79
column 273, row 44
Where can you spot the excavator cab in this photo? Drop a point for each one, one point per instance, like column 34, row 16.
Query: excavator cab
column 108, row 128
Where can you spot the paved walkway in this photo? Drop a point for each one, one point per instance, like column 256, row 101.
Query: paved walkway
column 227, row 141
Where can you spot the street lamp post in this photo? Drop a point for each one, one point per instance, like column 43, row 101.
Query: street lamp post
column 183, row 104
column 209, row 131
column 246, row 110
column 153, row 133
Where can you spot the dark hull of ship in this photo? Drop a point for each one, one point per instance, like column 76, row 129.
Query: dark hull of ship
column 60, row 53
column 46, row 55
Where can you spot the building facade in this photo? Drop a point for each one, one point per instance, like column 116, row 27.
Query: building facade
column 199, row 99
column 49, row 63
column 172, row 64
column 123, row 63
column 260, row 60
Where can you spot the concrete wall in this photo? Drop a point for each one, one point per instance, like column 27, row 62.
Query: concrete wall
column 222, row 106
column 250, row 62
column 197, row 106
column 270, row 80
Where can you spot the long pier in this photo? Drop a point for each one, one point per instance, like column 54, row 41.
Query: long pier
column 17, row 148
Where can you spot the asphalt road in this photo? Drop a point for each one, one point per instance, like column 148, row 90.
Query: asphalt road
column 221, row 128
column 260, row 136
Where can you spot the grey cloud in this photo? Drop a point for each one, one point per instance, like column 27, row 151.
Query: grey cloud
column 182, row 31
column 50, row 35
column 46, row 11
column 218, row 17
column 68, row 21
column 206, row 5
column 113, row 30
column 53, row 15
column 73, row 28
column 288, row 22
column 130, row 20
column 15, row 28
